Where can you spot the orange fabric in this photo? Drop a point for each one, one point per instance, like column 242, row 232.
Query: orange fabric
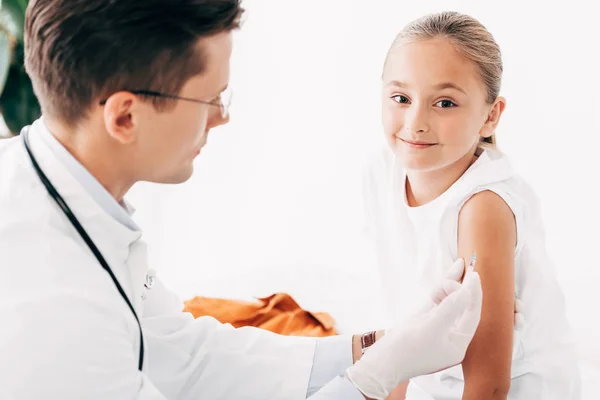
column 277, row 313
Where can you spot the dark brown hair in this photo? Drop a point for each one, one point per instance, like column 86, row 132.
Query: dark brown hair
column 79, row 51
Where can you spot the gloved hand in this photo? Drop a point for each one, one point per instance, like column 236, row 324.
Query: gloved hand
column 432, row 340
column 450, row 284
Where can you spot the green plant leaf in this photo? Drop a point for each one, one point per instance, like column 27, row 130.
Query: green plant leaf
column 5, row 57
column 13, row 16
column 18, row 103
column 23, row 4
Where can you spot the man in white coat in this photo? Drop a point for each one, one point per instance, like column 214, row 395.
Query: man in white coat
column 129, row 91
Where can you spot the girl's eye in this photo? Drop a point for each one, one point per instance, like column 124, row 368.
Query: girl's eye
column 445, row 104
column 398, row 98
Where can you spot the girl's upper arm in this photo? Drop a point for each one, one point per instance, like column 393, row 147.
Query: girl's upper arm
column 486, row 226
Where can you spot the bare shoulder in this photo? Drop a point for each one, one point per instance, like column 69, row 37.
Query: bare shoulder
column 487, row 215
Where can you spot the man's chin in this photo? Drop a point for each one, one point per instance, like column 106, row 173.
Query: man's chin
column 181, row 176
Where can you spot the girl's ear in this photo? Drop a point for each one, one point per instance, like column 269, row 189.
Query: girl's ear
column 493, row 118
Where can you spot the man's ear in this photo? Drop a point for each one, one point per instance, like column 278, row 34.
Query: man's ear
column 119, row 116
column 493, row 117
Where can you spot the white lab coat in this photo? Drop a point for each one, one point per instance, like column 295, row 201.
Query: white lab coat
column 66, row 333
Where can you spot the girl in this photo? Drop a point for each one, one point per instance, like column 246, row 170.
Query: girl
column 442, row 191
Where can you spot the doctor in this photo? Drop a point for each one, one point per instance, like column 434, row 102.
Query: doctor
column 130, row 90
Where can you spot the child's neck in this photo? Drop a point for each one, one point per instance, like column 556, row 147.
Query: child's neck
column 423, row 187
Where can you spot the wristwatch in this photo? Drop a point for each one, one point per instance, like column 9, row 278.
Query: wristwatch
column 366, row 341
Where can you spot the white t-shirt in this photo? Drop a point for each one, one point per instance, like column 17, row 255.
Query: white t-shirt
column 415, row 246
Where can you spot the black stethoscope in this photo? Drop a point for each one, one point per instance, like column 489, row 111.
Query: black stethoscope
column 75, row 222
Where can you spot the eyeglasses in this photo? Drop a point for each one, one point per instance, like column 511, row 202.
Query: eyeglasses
column 223, row 101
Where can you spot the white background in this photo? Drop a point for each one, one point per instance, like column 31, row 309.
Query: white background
column 275, row 201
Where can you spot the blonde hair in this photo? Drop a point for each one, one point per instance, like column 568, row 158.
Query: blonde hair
column 470, row 38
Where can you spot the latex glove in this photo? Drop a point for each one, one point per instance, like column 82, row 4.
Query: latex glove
column 425, row 343
column 450, row 284
column 453, row 276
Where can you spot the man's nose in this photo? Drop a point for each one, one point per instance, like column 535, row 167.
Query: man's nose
column 217, row 120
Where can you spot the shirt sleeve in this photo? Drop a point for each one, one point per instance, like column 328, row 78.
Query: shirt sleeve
column 204, row 359
column 338, row 389
column 333, row 355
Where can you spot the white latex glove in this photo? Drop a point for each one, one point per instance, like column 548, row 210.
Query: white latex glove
column 451, row 283
column 432, row 340
column 448, row 286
